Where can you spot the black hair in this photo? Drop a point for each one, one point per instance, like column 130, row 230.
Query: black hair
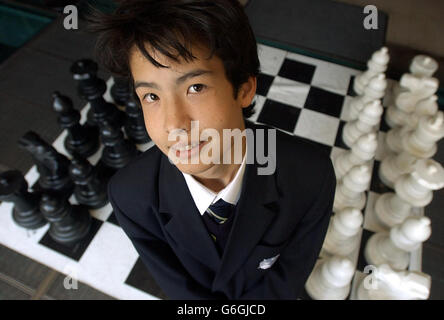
column 171, row 27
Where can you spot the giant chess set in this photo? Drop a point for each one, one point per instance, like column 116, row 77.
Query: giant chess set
column 380, row 134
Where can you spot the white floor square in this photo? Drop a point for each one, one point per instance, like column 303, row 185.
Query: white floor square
column 317, row 127
column 289, row 92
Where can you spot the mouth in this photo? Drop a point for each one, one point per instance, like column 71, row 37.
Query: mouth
column 189, row 150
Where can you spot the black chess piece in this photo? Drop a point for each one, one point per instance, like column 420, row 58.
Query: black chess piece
column 51, row 165
column 117, row 151
column 121, row 91
column 83, row 140
column 69, row 224
column 26, row 212
column 92, row 88
column 89, row 190
column 134, row 123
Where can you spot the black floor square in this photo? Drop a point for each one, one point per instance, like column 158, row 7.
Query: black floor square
column 324, row 102
column 112, row 218
column 297, row 71
column 384, row 127
column 350, row 91
column 362, row 263
column 376, row 185
column 141, row 279
column 339, row 142
column 75, row 251
column 279, row 115
column 264, row 82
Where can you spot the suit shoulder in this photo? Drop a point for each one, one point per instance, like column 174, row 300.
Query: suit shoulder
column 138, row 179
column 302, row 161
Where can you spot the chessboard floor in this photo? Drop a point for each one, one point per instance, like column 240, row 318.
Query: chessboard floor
column 297, row 94
column 295, row 86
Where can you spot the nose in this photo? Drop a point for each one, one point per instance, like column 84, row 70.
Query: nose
column 176, row 117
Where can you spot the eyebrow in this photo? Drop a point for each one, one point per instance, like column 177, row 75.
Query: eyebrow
column 181, row 79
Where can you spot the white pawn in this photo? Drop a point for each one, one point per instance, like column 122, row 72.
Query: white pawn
column 342, row 236
column 412, row 190
column 362, row 150
column 377, row 64
column 394, row 248
column 350, row 191
column 375, row 90
column 386, row 284
column 422, row 65
column 330, row 279
column 366, row 122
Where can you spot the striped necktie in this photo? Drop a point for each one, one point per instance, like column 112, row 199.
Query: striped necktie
column 220, row 211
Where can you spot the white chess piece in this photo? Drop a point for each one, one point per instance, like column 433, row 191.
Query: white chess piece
column 394, row 248
column 413, row 189
column 375, row 90
column 395, row 165
column 362, row 150
column 418, row 143
column 387, row 284
column 330, row 279
column 413, row 90
column 421, row 142
column 368, row 119
column 424, row 107
column 377, row 64
column 423, row 65
column 342, row 236
column 350, row 191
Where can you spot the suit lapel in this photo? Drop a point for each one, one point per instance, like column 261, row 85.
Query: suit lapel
column 185, row 226
column 254, row 213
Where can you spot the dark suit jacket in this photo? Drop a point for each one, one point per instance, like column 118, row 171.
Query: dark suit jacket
column 285, row 213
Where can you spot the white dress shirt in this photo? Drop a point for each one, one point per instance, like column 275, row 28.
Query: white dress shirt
column 204, row 197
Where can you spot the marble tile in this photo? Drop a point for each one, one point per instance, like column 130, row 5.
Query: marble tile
column 289, row 92
column 270, row 59
column 317, row 127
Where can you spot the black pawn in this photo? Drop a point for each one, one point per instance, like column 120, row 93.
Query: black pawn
column 82, row 140
column 118, row 151
column 134, row 122
column 92, row 88
column 69, row 223
column 51, row 165
column 121, row 91
column 26, row 212
column 88, row 190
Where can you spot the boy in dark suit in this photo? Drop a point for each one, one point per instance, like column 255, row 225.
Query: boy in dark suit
column 211, row 229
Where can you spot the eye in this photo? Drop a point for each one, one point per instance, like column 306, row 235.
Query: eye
column 150, row 97
column 197, row 87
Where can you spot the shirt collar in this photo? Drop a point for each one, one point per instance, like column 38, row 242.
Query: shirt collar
column 204, row 197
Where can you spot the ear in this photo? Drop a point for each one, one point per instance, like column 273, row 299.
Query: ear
column 247, row 91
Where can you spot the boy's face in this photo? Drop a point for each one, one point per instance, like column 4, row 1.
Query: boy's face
column 195, row 91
